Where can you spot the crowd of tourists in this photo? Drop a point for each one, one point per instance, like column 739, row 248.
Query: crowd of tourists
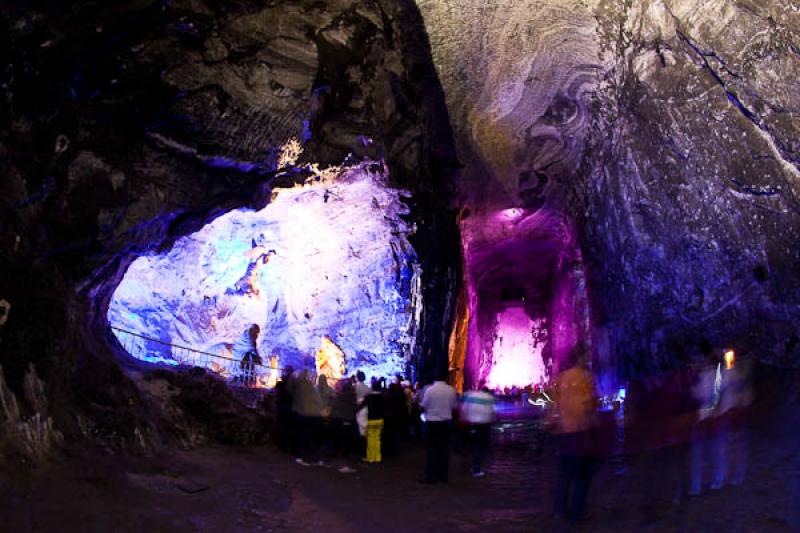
column 689, row 425
column 695, row 418
column 318, row 421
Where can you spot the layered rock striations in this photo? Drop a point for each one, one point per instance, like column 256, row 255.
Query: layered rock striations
column 665, row 131
column 127, row 127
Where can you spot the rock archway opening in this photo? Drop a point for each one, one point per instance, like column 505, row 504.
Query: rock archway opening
column 525, row 305
column 325, row 270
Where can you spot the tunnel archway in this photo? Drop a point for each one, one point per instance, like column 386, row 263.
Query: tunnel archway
column 526, row 304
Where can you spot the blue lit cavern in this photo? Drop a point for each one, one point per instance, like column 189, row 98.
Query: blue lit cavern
column 590, row 208
column 325, row 261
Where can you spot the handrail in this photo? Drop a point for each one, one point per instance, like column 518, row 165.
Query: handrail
column 165, row 343
column 217, row 356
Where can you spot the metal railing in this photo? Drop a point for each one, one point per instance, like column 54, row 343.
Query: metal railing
column 150, row 349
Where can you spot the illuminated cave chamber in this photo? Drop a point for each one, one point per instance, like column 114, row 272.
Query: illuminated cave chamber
column 525, row 304
column 325, row 269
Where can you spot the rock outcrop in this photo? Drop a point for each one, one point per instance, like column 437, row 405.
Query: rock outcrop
column 126, row 127
column 666, row 132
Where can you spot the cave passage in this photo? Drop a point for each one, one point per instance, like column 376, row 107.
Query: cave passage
column 526, row 299
column 325, row 270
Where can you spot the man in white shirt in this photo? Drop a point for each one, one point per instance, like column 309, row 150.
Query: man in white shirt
column 438, row 402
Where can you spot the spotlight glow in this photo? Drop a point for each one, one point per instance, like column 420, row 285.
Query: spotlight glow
column 729, row 359
column 327, row 260
column 517, row 350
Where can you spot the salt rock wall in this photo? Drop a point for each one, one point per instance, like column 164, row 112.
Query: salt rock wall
column 126, row 126
column 666, row 130
column 328, row 260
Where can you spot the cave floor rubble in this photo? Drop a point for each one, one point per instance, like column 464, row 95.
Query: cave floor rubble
column 261, row 489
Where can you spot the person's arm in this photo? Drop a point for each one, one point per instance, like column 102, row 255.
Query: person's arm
column 362, row 405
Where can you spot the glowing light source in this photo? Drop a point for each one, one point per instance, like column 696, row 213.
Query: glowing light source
column 729, row 359
column 268, row 377
column 301, row 268
column 512, row 214
column 330, row 360
column 517, row 351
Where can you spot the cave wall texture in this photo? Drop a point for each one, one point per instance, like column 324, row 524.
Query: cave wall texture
column 666, row 132
column 124, row 127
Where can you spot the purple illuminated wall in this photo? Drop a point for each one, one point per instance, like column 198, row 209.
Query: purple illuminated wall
column 527, row 296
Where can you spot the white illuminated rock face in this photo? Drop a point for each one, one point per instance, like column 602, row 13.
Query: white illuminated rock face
column 517, row 350
column 326, row 259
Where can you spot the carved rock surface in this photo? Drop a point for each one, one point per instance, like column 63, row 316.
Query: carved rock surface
column 666, row 130
column 126, row 127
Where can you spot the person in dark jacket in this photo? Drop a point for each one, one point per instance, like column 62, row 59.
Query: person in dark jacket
column 343, row 417
column 287, row 440
column 396, row 418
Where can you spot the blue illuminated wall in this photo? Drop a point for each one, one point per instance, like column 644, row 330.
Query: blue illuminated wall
column 330, row 258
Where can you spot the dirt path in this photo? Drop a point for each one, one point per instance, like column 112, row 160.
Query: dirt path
column 260, row 489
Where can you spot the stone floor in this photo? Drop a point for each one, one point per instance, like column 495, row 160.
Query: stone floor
column 260, row 489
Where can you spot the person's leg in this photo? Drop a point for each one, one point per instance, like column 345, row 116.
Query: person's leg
column 486, row 435
column 474, row 444
column 303, row 443
column 696, row 451
column 386, row 437
column 283, row 441
column 379, row 429
column 444, row 452
column 584, row 470
column 478, row 435
column 563, row 485
column 316, row 438
column 371, row 436
column 431, row 465
column 719, row 453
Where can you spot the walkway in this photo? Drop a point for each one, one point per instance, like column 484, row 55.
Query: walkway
column 260, row 489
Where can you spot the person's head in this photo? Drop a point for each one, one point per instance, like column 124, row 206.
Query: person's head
column 323, row 380
column 360, row 376
column 254, row 331
column 377, row 385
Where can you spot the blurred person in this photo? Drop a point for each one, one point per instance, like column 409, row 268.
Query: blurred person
column 396, row 417
column 325, row 393
column 307, row 408
column 477, row 410
column 658, row 421
column 439, row 400
column 705, row 392
column 374, row 406
column 283, row 407
column 575, row 410
column 731, row 438
column 343, row 417
column 246, row 352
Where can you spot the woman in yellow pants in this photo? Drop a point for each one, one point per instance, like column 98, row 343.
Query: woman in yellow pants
column 373, row 403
